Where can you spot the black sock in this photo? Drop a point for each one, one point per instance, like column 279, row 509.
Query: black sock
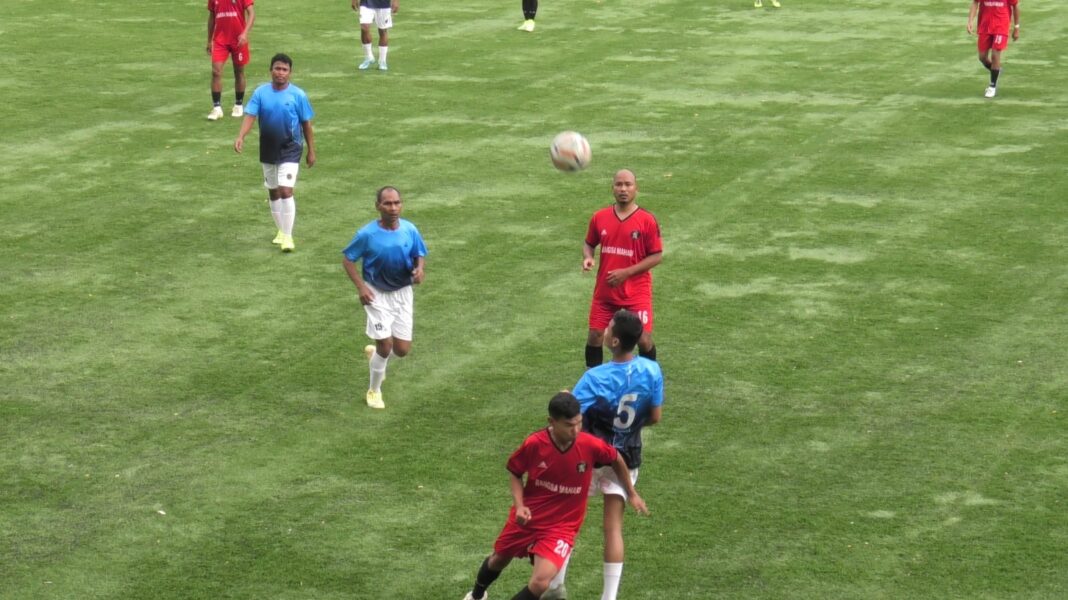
column 239, row 97
column 526, row 594
column 530, row 8
column 594, row 356
column 485, row 577
column 994, row 77
column 986, row 63
column 216, row 98
column 650, row 354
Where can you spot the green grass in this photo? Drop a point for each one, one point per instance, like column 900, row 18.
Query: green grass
column 860, row 314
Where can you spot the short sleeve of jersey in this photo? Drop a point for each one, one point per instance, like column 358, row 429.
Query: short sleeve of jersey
column 418, row 246
column 593, row 232
column 252, row 109
column 519, row 462
column 603, row 453
column 304, row 109
column 354, row 251
column 653, row 242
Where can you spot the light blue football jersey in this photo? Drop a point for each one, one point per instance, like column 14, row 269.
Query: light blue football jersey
column 388, row 255
column 616, row 401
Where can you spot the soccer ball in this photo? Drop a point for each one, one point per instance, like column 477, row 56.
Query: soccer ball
column 570, row 152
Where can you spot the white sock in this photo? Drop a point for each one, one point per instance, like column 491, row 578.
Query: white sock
column 289, row 215
column 558, row 581
column 613, row 572
column 368, row 54
column 276, row 213
column 382, row 50
column 378, row 372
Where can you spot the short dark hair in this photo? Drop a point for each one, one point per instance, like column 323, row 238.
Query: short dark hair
column 280, row 57
column 382, row 190
column 564, row 405
column 627, row 326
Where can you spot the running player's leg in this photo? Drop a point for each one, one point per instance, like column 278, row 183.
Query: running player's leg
column 287, row 180
column 218, row 57
column 240, row 58
column 646, row 345
column 384, row 22
column 274, row 198
column 367, row 16
column 614, row 506
column 600, row 316
column 615, row 503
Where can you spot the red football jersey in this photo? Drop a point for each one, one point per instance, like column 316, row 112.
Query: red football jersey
column 624, row 243
column 558, row 483
column 995, row 16
column 229, row 19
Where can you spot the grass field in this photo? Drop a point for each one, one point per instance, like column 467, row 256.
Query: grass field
column 861, row 313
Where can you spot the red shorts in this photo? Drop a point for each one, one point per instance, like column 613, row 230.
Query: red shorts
column 997, row 41
column 220, row 52
column 516, row 541
column 601, row 313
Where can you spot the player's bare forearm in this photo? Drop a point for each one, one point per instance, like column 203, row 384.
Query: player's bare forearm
column 418, row 274
column 246, row 126
column 250, row 18
column 309, row 135
column 515, row 486
column 654, row 416
column 364, row 292
column 646, row 264
column 587, row 257
column 616, row 277
column 619, row 467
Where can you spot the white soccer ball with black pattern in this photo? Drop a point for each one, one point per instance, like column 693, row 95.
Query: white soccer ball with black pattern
column 570, row 151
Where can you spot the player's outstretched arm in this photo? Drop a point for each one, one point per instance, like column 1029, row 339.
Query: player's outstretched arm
column 623, row 476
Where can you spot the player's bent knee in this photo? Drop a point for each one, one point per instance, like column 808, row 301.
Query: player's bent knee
column 498, row 562
column 539, row 584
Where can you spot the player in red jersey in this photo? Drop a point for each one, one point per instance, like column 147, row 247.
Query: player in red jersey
column 229, row 23
column 629, row 237
column 548, row 509
column 993, row 29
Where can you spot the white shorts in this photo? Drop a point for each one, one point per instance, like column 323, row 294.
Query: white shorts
column 381, row 17
column 284, row 175
column 605, row 482
column 390, row 315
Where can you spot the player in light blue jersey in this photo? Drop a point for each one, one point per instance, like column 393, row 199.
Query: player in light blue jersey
column 285, row 124
column 618, row 399
column 392, row 254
